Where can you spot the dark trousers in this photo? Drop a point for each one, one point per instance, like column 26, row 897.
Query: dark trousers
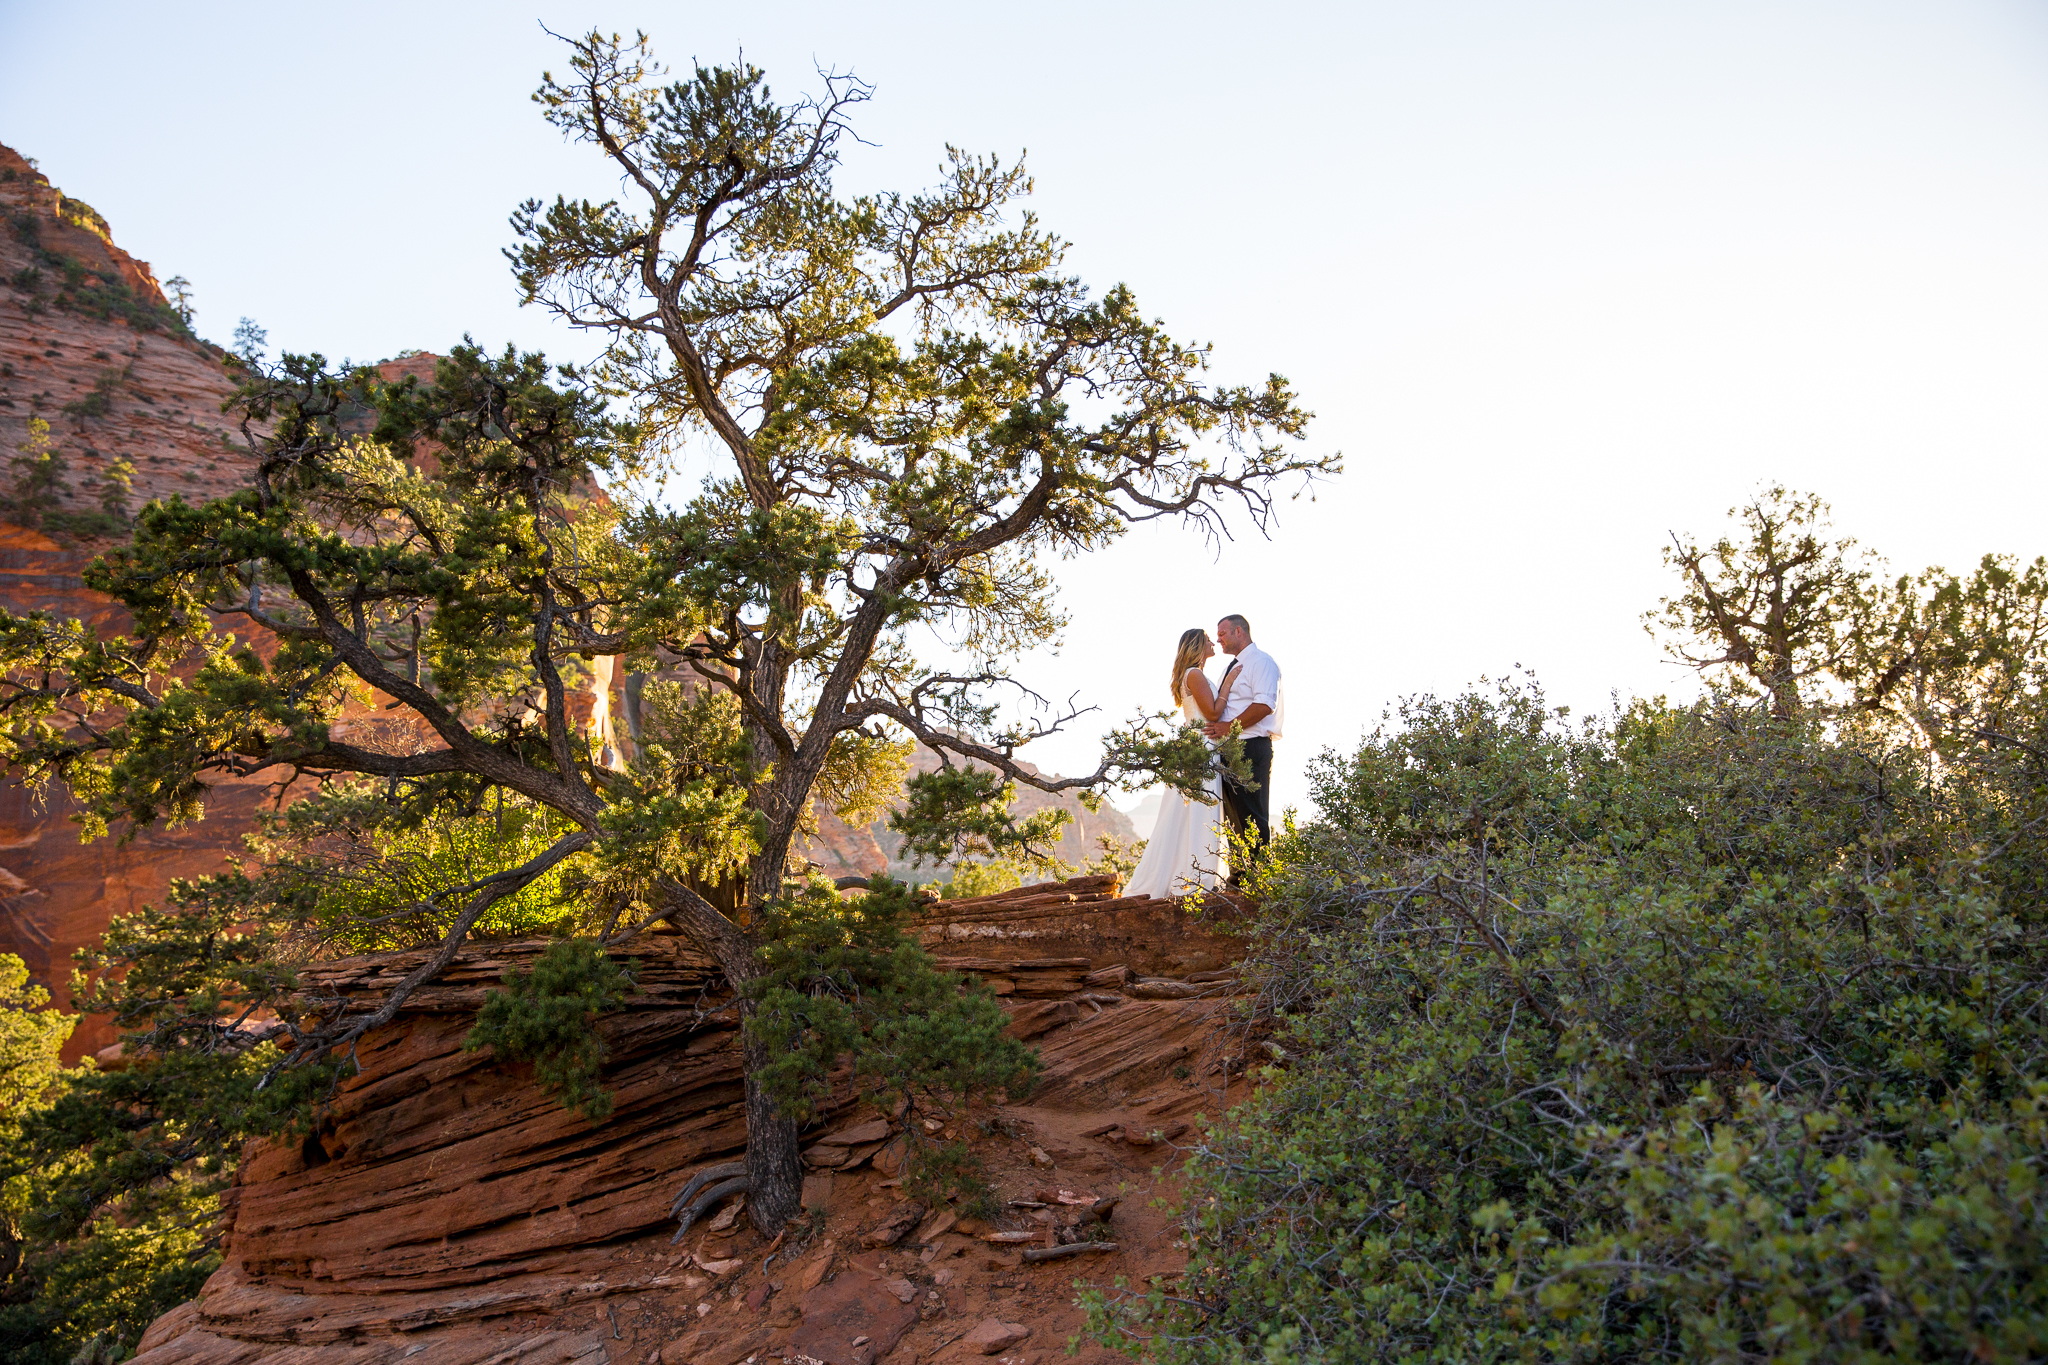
column 1247, row 809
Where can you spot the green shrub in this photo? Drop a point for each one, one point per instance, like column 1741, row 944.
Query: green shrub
column 548, row 1016
column 39, row 487
column 369, row 882
column 62, row 1287
column 100, row 400
column 844, row 979
column 112, row 300
column 1696, row 1034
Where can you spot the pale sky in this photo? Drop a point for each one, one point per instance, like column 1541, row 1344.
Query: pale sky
column 1556, row 278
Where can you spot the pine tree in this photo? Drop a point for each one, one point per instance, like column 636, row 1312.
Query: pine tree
column 915, row 411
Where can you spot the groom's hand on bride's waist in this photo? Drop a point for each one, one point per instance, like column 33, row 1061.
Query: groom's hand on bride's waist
column 1250, row 716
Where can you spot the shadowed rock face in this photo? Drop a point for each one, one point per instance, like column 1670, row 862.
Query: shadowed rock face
column 447, row 1210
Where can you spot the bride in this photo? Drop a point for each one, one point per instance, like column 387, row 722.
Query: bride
column 1186, row 850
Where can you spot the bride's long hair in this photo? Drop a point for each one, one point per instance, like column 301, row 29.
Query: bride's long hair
column 1188, row 656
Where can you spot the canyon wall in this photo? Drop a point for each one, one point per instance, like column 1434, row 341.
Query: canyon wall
column 89, row 343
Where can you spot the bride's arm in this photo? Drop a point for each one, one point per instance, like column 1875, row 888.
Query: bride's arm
column 1197, row 686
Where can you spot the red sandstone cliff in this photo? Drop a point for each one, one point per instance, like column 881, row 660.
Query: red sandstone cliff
column 449, row 1212
column 80, row 317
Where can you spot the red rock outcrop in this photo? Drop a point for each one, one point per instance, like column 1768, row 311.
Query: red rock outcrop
column 79, row 317
column 447, row 1211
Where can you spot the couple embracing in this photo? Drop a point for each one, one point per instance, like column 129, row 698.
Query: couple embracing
column 1190, row 846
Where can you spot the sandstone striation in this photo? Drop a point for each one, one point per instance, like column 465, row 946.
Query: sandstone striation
column 446, row 1210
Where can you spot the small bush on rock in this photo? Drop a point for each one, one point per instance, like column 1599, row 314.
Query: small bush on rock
column 548, row 1015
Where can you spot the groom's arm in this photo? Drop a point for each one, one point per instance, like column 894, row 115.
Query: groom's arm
column 1250, row 716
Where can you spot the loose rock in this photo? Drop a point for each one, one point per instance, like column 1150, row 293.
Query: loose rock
column 990, row 1336
column 891, row 1229
column 874, row 1130
column 847, row 1323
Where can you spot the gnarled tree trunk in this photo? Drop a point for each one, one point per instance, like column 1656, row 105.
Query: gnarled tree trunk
column 774, row 1164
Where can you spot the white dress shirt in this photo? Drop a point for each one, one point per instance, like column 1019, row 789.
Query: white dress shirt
column 1257, row 680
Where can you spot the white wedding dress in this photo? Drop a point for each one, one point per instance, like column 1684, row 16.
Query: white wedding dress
column 1188, row 847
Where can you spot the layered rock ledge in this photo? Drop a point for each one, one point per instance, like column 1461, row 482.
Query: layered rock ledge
column 448, row 1212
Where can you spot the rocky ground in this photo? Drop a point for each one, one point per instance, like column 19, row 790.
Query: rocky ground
column 448, row 1212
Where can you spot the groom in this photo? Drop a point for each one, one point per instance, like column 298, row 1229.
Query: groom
column 1251, row 699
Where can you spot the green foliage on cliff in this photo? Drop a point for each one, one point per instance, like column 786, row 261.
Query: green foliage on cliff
column 61, row 1289
column 350, row 872
column 36, row 495
column 843, row 979
column 1702, row 1032
column 844, row 982
column 547, row 1015
column 80, row 289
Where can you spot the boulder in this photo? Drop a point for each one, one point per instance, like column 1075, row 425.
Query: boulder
column 1165, row 988
column 892, row 1157
column 712, row 1346
column 874, row 1130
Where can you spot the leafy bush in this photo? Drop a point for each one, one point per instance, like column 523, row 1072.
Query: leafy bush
column 1703, row 1032
column 1694, row 1034
column 60, row 1290
column 364, row 877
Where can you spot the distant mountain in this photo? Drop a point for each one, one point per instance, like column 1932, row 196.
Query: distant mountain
column 1145, row 814
column 842, row 850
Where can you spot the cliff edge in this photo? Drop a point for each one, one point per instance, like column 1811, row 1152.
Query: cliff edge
column 448, row 1211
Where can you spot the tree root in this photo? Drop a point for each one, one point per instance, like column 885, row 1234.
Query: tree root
column 696, row 1199
column 707, row 1176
